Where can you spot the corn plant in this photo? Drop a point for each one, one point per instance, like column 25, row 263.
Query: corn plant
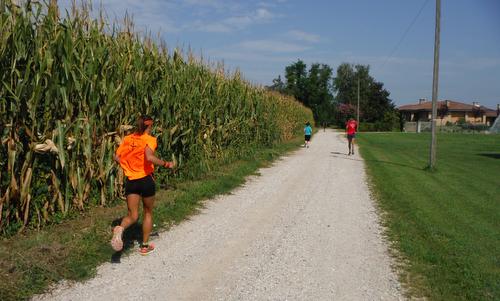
column 71, row 86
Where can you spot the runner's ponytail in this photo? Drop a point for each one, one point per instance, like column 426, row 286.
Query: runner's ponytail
column 142, row 123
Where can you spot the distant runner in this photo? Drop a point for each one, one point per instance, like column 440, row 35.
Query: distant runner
column 307, row 134
column 136, row 157
column 351, row 127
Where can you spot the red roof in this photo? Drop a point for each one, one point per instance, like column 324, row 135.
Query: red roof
column 491, row 113
column 452, row 106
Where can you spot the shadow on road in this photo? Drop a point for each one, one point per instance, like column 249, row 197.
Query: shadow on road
column 347, row 157
column 131, row 235
column 490, row 155
column 338, row 153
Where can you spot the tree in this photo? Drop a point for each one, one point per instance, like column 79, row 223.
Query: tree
column 374, row 98
column 296, row 78
column 313, row 88
column 342, row 84
column 344, row 112
column 333, row 100
column 389, row 122
column 318, row 92
column 376, row 103
column 345, row 85
column 278, row 85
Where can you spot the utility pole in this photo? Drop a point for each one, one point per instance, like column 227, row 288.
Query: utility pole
column 357, row 108
column 432, row 157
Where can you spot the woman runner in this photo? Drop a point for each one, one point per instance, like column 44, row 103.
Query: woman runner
column 351, row 127
column 137, row 159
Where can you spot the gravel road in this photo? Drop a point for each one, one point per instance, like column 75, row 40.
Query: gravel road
column 305, row 229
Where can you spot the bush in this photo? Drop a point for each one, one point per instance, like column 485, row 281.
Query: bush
column 474, row 127
column 379, row 127
column 367, row 127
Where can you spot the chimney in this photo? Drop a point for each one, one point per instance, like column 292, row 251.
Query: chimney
column 447, row 103
column 422, row 100
column 475, row 103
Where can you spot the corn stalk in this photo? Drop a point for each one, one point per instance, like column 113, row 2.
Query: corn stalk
column 70, row 85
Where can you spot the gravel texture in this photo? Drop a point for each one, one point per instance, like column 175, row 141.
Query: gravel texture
column 305, row 229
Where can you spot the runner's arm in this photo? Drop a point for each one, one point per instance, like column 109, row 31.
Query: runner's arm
column 150, row 156
column 116, row 155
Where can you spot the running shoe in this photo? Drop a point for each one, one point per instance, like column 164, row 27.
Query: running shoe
column 116, row 241
column 146, row 249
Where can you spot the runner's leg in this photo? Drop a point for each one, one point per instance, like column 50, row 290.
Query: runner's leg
column 147, row 223
column 133, row 210
column 131, row 218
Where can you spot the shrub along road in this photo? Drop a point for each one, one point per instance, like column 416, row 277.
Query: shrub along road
column 304, row 229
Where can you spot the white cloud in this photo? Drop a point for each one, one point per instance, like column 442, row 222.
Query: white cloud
column 271, row 3
column 209, row 3
column 239, row 21
column 248, row 56
column 151, row 16
column 259, row 16
column 211, row 27
column 218, row 16
column 272, row 46
column 263, row 14
column 303, row 36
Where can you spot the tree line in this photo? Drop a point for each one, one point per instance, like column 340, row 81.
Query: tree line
column 333, row 98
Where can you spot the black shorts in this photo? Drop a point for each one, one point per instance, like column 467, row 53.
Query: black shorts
column 351, row 136
column 307, row 137
column 144, row 187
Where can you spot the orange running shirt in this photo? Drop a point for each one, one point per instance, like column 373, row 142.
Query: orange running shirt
column 132, row 155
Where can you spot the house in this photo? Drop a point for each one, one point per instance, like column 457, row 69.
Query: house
column 449, row 111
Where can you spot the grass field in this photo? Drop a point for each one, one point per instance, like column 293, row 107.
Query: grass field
column 72, row 250
column 445, row 223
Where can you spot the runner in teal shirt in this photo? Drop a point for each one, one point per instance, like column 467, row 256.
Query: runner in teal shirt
column 307, row 134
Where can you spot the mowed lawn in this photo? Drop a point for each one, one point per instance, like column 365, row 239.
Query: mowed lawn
column 445, row 224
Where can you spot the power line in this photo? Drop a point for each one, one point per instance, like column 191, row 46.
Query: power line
column 405, row 33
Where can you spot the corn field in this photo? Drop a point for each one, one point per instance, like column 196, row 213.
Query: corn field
column 72, row 86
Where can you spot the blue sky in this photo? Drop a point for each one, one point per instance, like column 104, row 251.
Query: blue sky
column 262, row 37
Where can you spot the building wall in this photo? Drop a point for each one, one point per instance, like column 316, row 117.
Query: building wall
column 452, row 117
column 470, row 118
column 410, row 127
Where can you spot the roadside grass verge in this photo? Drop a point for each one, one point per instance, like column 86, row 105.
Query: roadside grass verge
column 72, row 250
column 444, row 224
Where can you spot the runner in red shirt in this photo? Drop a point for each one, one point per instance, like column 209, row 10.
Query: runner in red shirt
column 351, row 127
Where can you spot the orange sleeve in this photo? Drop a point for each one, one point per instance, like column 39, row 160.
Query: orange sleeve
column 120, row 148
column 151, row 142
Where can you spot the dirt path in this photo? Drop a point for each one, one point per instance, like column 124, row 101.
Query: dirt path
column 306, row 229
